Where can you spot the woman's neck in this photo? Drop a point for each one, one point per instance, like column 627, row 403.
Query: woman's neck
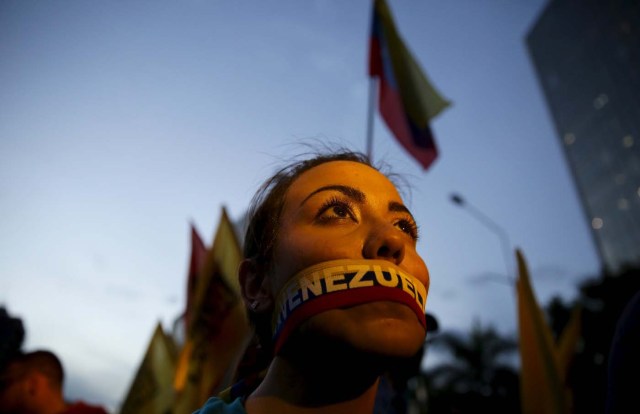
column 363, row 404
column 322, row 384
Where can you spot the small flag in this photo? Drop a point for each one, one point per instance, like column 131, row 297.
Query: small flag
column 218, row 330
column 196, row 263
column 542, row 378
column 151, row 391
column 407, row 101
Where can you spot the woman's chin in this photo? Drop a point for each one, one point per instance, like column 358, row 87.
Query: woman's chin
column 389, row 337
column 383, row 328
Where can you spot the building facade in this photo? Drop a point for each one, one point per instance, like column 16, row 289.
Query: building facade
column 587, row 58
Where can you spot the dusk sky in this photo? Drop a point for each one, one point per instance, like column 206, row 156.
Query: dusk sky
column 121, row 122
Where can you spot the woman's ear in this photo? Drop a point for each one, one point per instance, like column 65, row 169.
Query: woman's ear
column 254, row 286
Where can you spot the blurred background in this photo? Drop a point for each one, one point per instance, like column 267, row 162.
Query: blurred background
column 123, row 124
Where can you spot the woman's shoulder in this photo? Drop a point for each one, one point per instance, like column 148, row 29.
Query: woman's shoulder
column 215, row 405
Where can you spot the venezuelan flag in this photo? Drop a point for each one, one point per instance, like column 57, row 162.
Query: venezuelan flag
column 407, row 101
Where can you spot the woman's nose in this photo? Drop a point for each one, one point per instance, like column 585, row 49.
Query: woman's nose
column 384, row 242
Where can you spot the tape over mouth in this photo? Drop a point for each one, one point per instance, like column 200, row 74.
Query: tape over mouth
column 343, row 283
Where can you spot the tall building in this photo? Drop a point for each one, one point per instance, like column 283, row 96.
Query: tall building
column 587, row 58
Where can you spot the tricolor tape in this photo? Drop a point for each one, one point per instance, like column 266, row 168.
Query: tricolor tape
column 343, row 283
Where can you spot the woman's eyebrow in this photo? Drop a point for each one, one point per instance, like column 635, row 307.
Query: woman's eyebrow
column 350, row 192
column 399, row 207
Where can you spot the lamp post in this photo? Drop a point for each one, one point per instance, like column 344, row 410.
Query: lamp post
column 491, row 225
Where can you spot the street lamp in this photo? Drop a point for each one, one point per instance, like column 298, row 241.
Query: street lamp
column 491, row 225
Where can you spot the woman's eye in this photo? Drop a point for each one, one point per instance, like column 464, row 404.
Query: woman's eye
column 409, row 227
column 340, row 211
column 335, row 209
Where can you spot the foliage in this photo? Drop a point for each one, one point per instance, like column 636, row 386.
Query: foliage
column 475, row 377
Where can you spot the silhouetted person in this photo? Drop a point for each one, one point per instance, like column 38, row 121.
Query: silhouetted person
column 11, row 336
column 624, row 361
column 32, row 383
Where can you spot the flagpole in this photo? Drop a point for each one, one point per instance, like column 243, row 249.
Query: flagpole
column 372, row 101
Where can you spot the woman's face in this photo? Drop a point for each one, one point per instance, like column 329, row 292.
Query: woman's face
column 348, row 210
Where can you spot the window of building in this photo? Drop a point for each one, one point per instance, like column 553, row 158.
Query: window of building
column 623, row 204
column 597, row 223
column 569, row 138
column 600, row 101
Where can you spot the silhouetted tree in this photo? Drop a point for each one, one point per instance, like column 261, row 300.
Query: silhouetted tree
column 558, row 313
column 475, row 377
